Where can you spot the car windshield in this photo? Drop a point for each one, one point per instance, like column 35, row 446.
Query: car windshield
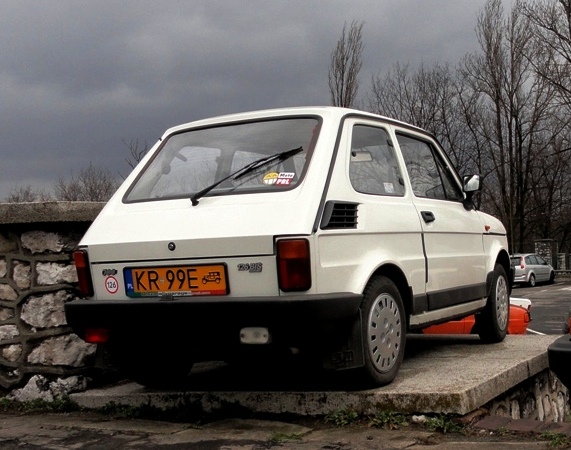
column 191, row 161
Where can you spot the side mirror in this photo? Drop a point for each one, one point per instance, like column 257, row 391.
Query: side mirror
column 471, row 184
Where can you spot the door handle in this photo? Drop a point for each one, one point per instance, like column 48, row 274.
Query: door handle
column 427, row 216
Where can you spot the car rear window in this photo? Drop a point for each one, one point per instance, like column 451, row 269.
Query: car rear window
column 190, row 161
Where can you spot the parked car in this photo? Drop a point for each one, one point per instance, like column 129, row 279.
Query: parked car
column 531, row 268
column 319, row 231
column 520, row 316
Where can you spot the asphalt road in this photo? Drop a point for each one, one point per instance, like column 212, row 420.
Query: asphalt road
column 550, row 305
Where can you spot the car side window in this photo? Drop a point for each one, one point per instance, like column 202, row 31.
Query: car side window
column 373, row 167
column 427, row 171
column 529, row 261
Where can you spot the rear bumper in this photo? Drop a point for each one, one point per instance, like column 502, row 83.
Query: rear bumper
column 520, row 279
column 559, row 356
column 209, row 321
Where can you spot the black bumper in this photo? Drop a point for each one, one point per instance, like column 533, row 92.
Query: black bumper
column 559, row 356
column 217, row 320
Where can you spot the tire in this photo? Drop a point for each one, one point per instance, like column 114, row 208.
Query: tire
column 492, row 321
column 531, row 281
column 383, row 331
column 552, row 277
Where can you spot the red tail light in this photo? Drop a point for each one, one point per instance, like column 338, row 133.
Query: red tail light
column 83, row 275
column 294, row 265
column 96, row 335
column 522, row 264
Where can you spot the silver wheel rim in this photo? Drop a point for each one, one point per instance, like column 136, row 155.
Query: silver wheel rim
column 502, row 303
column 384, row 334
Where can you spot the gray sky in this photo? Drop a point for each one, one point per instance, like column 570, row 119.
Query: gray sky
column 78, row 78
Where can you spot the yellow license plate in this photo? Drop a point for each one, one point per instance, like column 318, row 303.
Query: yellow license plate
column 176, row 280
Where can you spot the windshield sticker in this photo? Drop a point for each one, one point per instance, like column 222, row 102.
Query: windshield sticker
column 281, row 179
column 389, row 188
column 270, row 178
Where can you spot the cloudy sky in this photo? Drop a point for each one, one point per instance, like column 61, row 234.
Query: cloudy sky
column 79, row 78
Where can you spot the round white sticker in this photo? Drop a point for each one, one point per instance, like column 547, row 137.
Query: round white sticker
column 112, row 285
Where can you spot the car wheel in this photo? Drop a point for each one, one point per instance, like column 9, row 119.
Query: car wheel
column 383, row 331
column 531, row 281
column 552, row 277
column 493, row 320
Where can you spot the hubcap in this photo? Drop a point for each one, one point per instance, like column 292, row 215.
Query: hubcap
column 384, row 332
column 502, row 303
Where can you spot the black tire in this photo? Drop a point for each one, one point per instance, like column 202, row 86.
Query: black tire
column 383, row 331
column 552, row 277
column 531, row 281
column 492, row 321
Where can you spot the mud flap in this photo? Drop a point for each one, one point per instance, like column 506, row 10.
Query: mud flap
column 351, row 354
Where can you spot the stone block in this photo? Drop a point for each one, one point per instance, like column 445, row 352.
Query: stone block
column 42, row 242
column 54, row 273
column 3, row 268
column 45, row 311
column 68, row 350
column 22, row 274
column 8, row 332
column 7, row 293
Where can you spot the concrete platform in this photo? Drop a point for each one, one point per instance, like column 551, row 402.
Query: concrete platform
column 440, row 374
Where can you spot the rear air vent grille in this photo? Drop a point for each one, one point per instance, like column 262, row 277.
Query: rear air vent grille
column 339, row 215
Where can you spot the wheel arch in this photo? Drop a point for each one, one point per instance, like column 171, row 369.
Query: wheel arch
column 398, row 277
column 503, row 259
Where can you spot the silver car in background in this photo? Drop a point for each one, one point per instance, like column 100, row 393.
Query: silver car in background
column 531, row 268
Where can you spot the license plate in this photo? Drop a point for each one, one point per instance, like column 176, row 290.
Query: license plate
column 176, row 280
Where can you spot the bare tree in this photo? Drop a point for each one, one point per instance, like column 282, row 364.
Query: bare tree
column 346, row 62
column 27, row 194
column 426, row 97
column 137, row 151
column 514, row 119
column 551, row 53
column 92, row 184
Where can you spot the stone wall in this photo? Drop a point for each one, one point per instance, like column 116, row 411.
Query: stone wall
column 541, row 397
column 37, row 277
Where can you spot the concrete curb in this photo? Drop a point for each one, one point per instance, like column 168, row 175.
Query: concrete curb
column 441, row 374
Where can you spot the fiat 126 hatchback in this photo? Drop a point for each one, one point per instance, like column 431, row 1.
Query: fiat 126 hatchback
column 317, row 231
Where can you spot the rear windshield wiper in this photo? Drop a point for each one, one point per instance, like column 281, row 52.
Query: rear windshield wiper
column 248, row 168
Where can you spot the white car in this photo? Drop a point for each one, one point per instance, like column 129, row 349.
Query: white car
column 319, row 231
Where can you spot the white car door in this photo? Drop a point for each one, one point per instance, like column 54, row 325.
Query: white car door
column 452, row 234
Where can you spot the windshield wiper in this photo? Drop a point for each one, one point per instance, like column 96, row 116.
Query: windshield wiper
column 248, row 168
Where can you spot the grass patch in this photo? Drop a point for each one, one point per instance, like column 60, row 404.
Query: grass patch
column 342, row 418
column 443, row 424
column 556, row 440
column 389, row 420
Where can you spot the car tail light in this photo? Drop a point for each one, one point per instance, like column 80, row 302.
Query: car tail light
column 294, row 266
column 96, row 335
column 83, row 275
column 522, row 264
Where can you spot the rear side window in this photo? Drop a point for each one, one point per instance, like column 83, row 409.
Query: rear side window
column 373, row 168
column 428, row 173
